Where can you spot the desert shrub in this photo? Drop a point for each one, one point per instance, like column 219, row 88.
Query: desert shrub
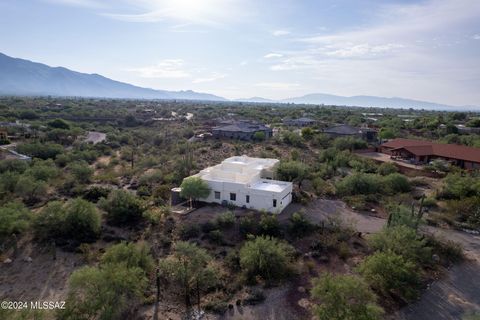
column 95, row 193
column 40, row 150
column 299, row 225
column 266, row 257
column 359, row 183
column 459, row 187
column 396, row 183
column 344, row 297
column 390, row 273
column 82, row 220
column 292, row 139
column 14, row 218
column 132, row 255
column 13, row 165
column 121, row 207
column 189, row 231
column 30, row 190
column 343, row 250
column 449, row 250
column 465, row 211
column 387, row 168
column 81, row 171
column 269, row 225
column 216, row 236
column 209, row 226
column 404, row 241
column 248, row 225
column 109, row 292
column 49, row 223
column 43, row 170
column 349, row 143
column 226, row 219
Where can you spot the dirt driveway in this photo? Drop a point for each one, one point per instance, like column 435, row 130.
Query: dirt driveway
column 320, row 209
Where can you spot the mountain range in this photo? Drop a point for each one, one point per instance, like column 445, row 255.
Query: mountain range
column 26, row 78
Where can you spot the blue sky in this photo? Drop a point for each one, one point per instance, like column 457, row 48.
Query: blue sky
column 427, row 50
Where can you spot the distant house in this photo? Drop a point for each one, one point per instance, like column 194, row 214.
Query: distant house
column 300, row 122
column 420, row 152
column 345, row 130
column 246, row 182
column 241, row 130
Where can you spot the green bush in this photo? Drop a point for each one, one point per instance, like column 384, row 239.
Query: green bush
column 189, row 231
column 109, row 292
column 404, row 241
column 266, row 257
column 359, row 183
column 299, row 225
column 226, row 219
column 387, row 168
column 81, row 171
column 390, row 273
column 82, row 220
column 43, row 170
column 349, row 143
column 49, row 223
column 40, row 150
column 122, row 207
column 14, row 218
column 269, row 225
column 248, row 225
column 132, row 255
column 396, row 183
column 344, row 297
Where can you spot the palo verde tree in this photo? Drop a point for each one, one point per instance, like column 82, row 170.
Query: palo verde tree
column 344, row 297
column 293, row 171
column 266, row 257
column 194, row 188
column 191, row 267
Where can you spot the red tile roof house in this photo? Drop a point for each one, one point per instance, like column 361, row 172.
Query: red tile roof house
column 418, row 151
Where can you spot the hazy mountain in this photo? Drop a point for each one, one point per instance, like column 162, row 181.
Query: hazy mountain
column 23, row 77
column 255, row 99
column 371, row 101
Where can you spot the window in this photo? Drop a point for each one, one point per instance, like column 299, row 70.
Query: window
column 247, row 199
column 233, row 196
column 274, row 203
column 217, row 194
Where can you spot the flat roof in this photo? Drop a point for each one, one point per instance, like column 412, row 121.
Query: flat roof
column 270, row 185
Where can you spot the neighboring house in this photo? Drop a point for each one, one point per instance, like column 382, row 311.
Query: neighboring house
column 241, row 130
column 247, row 182
column 300, row 122
column 345, row 130
column 421, row 152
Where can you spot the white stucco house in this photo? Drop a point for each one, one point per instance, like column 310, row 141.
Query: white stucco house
column 247, row 182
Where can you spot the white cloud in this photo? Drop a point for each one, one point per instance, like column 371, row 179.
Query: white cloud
column 197, row 12
column 360, row 50
column 476, row 36
column 169, row 68
column 279, row 33
column 212, row 77
column 273, row 55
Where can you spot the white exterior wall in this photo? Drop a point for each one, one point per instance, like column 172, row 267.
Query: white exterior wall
column 259, row 199
column 244, row 176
